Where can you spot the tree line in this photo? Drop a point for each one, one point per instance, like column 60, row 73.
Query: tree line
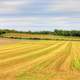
column 67, row 33
column 55, row 32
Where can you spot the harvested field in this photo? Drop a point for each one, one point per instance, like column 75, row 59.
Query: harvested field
column 40, row 60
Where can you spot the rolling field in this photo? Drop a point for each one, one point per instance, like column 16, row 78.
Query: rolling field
column 39, row 37
column 40, row 60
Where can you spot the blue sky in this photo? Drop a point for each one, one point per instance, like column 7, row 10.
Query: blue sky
column 39, row 15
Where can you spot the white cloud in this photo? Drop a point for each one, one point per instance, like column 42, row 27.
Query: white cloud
column 65, row 6
column 41, row 22
column 22, row 7
column 12, row 6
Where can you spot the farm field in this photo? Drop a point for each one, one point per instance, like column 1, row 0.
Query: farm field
column 40, row 60
column 38, row 36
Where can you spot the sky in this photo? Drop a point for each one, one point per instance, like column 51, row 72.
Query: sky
column 39, row 15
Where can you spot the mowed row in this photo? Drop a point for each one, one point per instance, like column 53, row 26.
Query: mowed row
column 40, row 60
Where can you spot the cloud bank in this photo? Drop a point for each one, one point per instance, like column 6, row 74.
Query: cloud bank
column 39, row 14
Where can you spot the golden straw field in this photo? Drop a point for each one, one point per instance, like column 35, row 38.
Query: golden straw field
column 40, row 60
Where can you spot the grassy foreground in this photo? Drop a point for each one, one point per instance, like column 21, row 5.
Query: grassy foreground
column 40, row 60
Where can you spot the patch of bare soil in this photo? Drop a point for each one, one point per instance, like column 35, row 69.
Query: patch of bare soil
column 4, row 41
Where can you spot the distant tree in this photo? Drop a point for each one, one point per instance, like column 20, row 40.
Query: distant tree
column 55, row 32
